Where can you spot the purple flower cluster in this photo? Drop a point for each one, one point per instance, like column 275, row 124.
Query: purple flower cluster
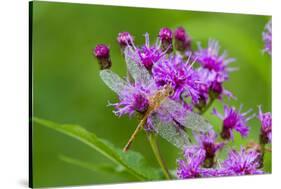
column 195, row 78
column 190, row 166
column 237, row 163
column 197, row 83
column 267, row 38
column 241, row 163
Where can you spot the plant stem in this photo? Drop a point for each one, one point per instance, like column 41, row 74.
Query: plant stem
column 156, row 151
column 207, row 106
column 262, row 151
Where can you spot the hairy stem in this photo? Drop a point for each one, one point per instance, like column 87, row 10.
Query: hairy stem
column 156, row 151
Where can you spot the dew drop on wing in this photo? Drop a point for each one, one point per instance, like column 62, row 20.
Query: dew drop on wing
column 170, row 132
column 186, row 118
column 113, row 81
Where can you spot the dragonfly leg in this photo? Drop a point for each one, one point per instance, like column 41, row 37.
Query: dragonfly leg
column 133, row 136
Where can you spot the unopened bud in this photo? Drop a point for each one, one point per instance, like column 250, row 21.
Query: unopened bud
column 102, row 53
column 182, row 40
column 124, row 39
column 215, row 90
column 166, row 37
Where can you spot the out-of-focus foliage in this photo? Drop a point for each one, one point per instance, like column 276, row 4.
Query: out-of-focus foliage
column 67, row 87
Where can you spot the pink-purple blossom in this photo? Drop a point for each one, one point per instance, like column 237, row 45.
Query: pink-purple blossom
column 214, row 68
column 180, row 75
column 134, row 98
column 207, row 141
column 244, row 162
column 233, row 120
column 190, row 166
column 147, row 54
column 211, row 59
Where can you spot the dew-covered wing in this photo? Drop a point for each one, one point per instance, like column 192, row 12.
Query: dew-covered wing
column 113, row 81
column 185, row 117
column 170, row 132
column 136, row 70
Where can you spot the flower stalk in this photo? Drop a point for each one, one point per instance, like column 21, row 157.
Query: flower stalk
column 156, row 151
column 203, row 110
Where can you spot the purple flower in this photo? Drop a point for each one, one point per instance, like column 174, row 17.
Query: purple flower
column 134, row 98
column 182, row 40
column 267, row 38
column 241, row 163
column 207, row 141
column 233, row 120
column 179, row 75
column 266, row 126
column 210, row 85
column 146, row 55
column 214, row 68
column 124, row 39
column 102, row 53
column 211, row 60
column 190, row 166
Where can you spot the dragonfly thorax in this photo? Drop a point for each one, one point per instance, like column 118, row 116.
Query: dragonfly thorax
column 156, row 100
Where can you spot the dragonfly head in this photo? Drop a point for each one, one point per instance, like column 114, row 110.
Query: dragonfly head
column 168, row 90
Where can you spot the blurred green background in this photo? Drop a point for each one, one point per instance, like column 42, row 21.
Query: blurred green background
column 67, row 87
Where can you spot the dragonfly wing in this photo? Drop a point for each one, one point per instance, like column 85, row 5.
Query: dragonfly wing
column 113, row 81
column 196, row 122
column 137, row 71
column 170, row 132
column 185, row 117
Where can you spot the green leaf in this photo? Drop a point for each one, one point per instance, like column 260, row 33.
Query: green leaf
column 132, row 161
column 107, row 168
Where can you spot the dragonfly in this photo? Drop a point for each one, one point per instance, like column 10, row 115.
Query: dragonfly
column 172, row 130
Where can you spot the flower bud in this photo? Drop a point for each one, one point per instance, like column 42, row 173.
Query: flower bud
column 266, row 127
column 166, row 37
column 124, row 39
column 102, row 53
column 182, row 40
column 215, row 90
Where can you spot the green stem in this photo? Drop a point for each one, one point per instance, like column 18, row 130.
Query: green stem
column 207, row 106
column 262, row 151
column 156, row 151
